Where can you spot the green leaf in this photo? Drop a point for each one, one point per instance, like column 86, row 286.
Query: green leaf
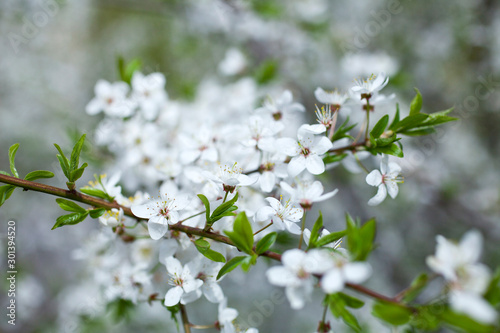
column 337, row 306
column 242, row 234
column 204, row 248
column 70, row 206
column 98, row 212
column 360, row 239
column 75, row 155
column 207, row 206
column 12, row 155
column 417, row 285
column 416, row 103
column 127, row 70
column 70, row 219
column 380, row 126
column 328, row 159
column 5, row 193
column 224, row 208
column 315, row 232
column 76, row 174
column 38, row 174
column 266, row 242
column 492, row 294
column 330, row 238
column 230, row 265
column 63, row 160
column 248, row 262
column 120, row 309
column 367, row 237
column 351, row 301
column 464, row 322
column 395, row 121
column 4, row 173
column 97, row 193
column 266, row 72
column 341, row 132
column 411, row 121
column 393, row 149
column 392, row 313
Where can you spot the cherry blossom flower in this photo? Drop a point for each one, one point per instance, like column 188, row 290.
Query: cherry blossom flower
column 149, row 93
column 160, row 213
column 371, row 85
column 342, row 271
column 386, row 180
column 283, row 216
column 296, row 275
column 307, row 192
column 281, row 106
column 112, row 99
column 324, row 232
column 305, row 151
column 112, row 218
column 183, row 281
column 226, row 317
column 234, row 62
column 333, row 98
column 230, row 177
column 467, row 278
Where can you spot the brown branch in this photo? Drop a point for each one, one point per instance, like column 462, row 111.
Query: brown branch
column 185, row 320
column 59, row 192
column 96, row 202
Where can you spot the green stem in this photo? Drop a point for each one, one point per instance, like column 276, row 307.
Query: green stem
column 267, row 226
column 302, row 228
column 185, row 320
column 190, row 217
column 360, row 164
column 225, row 196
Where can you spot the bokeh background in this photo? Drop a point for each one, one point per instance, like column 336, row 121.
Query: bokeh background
column 53, row 52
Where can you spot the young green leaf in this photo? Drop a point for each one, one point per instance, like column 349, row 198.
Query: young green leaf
column 416, row 103
column 207, row 206
column 224, row 207
column 230, row 265
column 465, row 323
column 204, row 248
column 12, row 155
column 70, row 206
column 6, row 192
column 70, row 219
column 412, row 121
column 97, row 212
column 97, row 193
column 242, row 234
column 4, row 173
column 330, row 238
column 318, row 225
column 392, row 313
column 341, row 132
column 393, row 149
column 248, row 262
column 328, row 159
column 417, row 285
column 337, row 306
column 380, row 126
column 395, row 121
column 492, row 294
column 76, row 174
column 75, row 154
column 63, row 160
column 266, row 242
column 351, row 301
column 33, row 175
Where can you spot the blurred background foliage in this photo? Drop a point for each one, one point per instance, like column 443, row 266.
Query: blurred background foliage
column 54, row 52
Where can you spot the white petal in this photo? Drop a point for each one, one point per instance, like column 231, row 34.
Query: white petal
column 94, row 107
column 374, row 178
column 213, row 292
column 315, row 164
column 379, row 197
column 173, row 296
column 474, row 306
column 191, row 284
column 357, row 272
column 157, row 230
column 292, row 228
column 167, row 249
column 314, row 190
column 280, row 276
column 326, row 195
column 470, row 246
column 267, row 181
column 173, row 265
column 297, row 165
column 332, row 281
column 297, row 296
column 274, row 203
column 288, row 146
column 228, row 315
column 392, row 188
column 315, row 129
column 191, row 296
column 293, row 259
column 384, row 168
column 322, row 145
column 144, row 211
column 264, row 213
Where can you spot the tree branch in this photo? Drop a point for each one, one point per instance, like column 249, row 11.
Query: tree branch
column 96, row 202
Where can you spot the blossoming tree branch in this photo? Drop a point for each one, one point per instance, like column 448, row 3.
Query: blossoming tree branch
column 199, row 189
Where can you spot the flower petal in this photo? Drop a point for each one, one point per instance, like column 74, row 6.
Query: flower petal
column 157, row 230
column 297, row 165
column 374, row 178
column 315, row 164
column 173, row 296
column 357, row 272
column 379, row 197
